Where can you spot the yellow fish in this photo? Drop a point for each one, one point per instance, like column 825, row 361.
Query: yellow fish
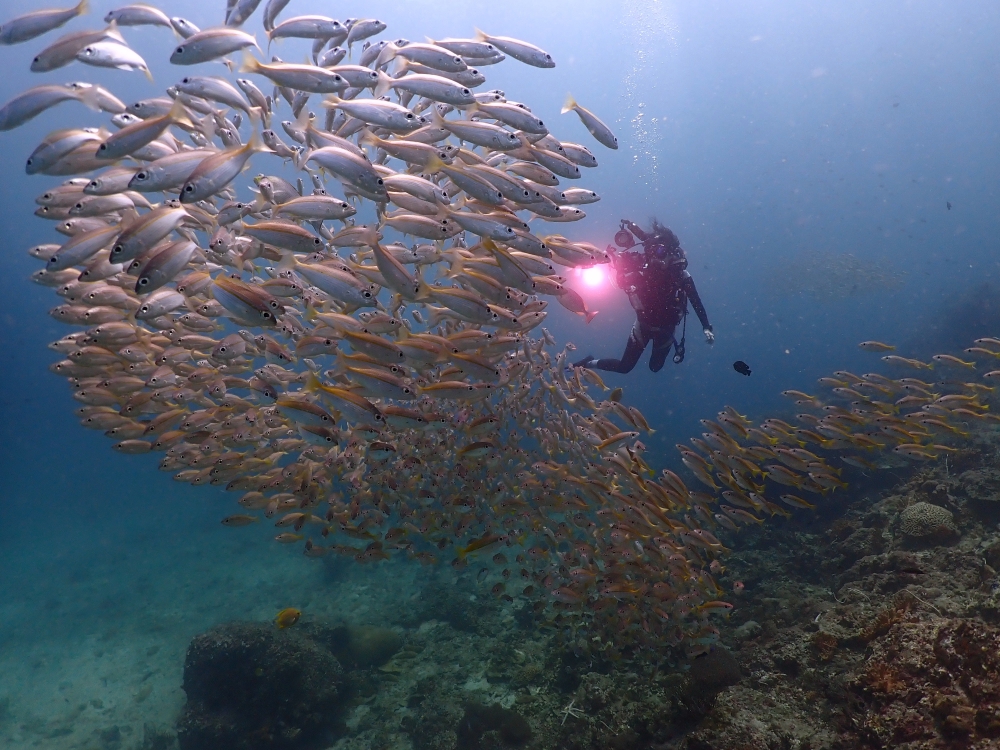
column 875, row 346
column 287, row 617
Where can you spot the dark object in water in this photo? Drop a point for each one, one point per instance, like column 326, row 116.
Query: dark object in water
column 624, row 239
column 715, row 671
column 245, row 680
column 948, row 203
column 741, row 367
column 479, row 719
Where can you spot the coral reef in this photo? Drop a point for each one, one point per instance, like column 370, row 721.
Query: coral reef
column 251, row 686
column 922, row 520
column 872, row 623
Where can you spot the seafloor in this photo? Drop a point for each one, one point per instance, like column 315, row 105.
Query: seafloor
column 871, row 623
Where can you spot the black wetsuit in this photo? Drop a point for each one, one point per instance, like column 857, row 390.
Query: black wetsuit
column 659, row 293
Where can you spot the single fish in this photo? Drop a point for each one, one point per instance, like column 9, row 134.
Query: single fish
column 601, row 132
column 31, row 25
column 287, row 617
column 741, row 367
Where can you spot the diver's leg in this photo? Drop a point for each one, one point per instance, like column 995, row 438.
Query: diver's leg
column 661, row 348
column 637, row 341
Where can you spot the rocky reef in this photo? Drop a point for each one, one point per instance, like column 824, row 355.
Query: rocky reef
column 873, row 622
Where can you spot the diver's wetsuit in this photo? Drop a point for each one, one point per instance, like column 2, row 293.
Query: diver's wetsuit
column 659, row 292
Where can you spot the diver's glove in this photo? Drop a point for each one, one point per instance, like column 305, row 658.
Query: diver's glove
column 709, row 336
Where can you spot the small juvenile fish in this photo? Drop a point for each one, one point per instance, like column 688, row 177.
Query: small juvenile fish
column 239, row 519
column 741, row 367
column 875, row 346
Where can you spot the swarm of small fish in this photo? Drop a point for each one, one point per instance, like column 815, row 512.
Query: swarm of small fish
column 371, row 397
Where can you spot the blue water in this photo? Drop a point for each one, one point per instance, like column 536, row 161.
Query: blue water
column 760, row 132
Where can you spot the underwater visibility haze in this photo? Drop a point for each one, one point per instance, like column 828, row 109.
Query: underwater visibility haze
column 309, row 437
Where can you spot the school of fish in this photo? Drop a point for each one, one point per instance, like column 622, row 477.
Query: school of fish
column 370, row 397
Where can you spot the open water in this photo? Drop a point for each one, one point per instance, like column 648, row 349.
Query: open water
column 830, row 169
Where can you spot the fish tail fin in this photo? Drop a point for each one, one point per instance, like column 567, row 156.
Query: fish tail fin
column 331, row 101
column 301, row 157
column 91, row 98
column 368, row 138
column 178, row 113
column 113, row 32
column 82, row 7
column 256, row 144
column 423, row 288
column 250, row 63
column 437, row 118
column 402, row 67
column 148, row 73
column 456, row 263
column 387, row 54
column 312, row 383
column 589, row 316
column 385, row 82
column 434, row 164
column 569, row 106
column 437, row 314
column 340, row 363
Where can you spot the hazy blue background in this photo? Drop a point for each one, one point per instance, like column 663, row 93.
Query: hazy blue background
column 759, row 131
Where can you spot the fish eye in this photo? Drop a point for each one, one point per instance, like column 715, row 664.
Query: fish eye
column 409, row 115
column 381, row 181
column 143, row 281
column 179, row 51
column 466, row 92
column 189, row 188
column 143, row 175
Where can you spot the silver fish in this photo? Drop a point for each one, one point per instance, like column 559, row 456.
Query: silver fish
column 523, row 51
column 111, row 54
column 34, row 101
column 138, row 15
column 63, row 51
column 211, row 44
column 31, row 25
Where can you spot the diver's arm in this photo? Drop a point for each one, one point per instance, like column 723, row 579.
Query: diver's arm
column 699, row 308
column 634, row 229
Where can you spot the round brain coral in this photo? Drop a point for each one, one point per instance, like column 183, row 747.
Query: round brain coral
column 926, row 519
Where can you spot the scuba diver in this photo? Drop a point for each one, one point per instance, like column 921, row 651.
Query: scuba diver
column 658, row 287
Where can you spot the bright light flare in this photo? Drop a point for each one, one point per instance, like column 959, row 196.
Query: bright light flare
column 593, row 276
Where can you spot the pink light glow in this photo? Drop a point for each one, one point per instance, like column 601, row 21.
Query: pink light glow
column 593, row 276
